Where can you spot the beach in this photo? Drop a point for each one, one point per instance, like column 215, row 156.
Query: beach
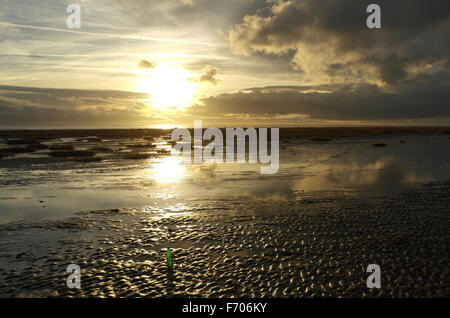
column 112, row 202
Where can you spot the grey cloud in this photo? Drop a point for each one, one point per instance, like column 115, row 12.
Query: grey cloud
column 27, row 106
column 147, row 64
column 422, row 98
column 207, row 74
column 414, row 34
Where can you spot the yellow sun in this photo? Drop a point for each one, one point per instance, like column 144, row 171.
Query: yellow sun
column 168, row 86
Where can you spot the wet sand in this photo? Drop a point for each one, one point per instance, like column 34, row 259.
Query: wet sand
column 314, row 247
column 306, row 244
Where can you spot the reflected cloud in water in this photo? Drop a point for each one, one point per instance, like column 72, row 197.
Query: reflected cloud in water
column 386, row 174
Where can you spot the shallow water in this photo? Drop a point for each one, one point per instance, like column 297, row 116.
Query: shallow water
column 36, row 187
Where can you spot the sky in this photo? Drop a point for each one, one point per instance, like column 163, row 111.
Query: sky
column 148, row 63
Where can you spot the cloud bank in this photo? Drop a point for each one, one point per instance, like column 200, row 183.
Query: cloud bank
column 422, row 98
column 329, row 40
column 27, row 106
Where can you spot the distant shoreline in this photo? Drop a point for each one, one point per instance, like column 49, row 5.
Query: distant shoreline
column 13, row 128
column 329, row 132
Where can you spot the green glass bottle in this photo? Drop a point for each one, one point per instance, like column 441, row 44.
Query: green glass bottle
column 169, row 258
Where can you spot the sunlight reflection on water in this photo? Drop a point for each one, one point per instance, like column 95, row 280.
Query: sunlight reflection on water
column 35, row 188
column 167, row 170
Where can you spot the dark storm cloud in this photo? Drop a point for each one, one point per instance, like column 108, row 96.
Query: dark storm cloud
column 338, row 102
column 47, row 106
column 414, row 34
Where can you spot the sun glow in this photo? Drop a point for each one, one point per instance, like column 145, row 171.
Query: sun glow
column 168, row 170
column 165, row 126
column 168, row 86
